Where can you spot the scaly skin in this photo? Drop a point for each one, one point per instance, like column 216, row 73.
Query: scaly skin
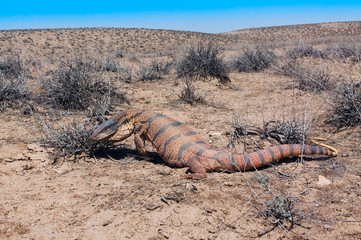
column 179, row 146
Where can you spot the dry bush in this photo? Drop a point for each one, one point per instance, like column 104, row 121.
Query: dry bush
column 253, row 59
column 282, row 209
column 189, row 94
column 311, row 80
column 12, row 68
column 110, row 65
column 13, row 83
column 346, row 110
column 314, row 80
column 304, row 51
column 284, row 132
column 76, row 85
column 122, row 73
column 343, row 50
column 203, row 61
column 290, row 68
column 154, row 70
column 70, row 140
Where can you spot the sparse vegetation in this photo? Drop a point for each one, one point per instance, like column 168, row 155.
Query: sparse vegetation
column 155, row 70
column 281, row 209
column 189, row 94
column 12, row 67
column 346, row 110
column 304, row 51
column 311, row 80
column 71, row 140
column 285, row 132
column 77, row 86
column 253, row 59
column 343, row 51
column 13, row 83
column 90, row 86
column 203, row 61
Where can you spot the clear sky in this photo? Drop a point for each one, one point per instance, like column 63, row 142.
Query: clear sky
column 203, row 16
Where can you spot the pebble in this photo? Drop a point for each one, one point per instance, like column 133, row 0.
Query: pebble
column 322, row 181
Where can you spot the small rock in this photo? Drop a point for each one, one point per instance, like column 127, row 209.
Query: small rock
column 152, row 206
column 328, row 227
column 322, row 181
column 164, row 171
column 19, row 156
column 191, row 187
column 228, row 184
column 215, row 134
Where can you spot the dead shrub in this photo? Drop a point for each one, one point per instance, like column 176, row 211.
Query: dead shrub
column 110, row 65
column 13, row 88
column 284, row 132
column 346, row 110
column 71, row 140
column 342, row 51
column 189, row 94
column 311, row 80
column 12, row 68
column 253, row 59
column 76, row 85
column 203, row 61
column 304, row 51
column 154, row 70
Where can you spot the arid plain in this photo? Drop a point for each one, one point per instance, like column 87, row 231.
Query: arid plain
column 46, row 192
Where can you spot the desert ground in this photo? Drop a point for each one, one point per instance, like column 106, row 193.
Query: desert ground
column 52, row 188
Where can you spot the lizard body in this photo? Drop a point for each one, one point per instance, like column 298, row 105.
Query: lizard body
column 180, row 146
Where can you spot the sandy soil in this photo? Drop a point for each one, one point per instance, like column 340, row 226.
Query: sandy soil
column 119, row 195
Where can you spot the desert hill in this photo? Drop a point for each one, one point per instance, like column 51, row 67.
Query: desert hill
column 299, row 32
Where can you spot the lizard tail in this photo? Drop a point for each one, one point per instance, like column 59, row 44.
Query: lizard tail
column 275, row 153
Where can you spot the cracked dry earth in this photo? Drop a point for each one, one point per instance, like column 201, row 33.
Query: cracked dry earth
column 118, row 195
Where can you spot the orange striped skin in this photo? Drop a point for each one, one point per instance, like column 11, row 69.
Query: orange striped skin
column 180, row 146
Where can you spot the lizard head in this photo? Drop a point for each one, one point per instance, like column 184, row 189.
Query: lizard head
column 112, row 131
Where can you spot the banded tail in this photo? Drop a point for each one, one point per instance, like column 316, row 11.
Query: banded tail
column 275, row 153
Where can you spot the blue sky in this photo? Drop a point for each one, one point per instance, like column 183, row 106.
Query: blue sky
column 204, row 16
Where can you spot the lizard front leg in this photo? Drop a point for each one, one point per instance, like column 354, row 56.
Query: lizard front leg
column 139, row 141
